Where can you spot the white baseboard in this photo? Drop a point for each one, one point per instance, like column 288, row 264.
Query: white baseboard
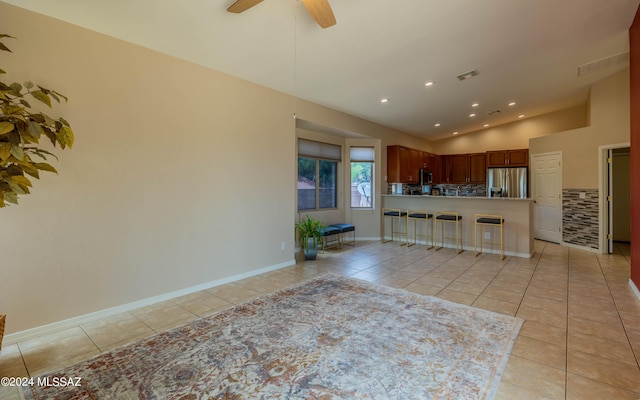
column 358, row 239
column 634, row 288
column 83, row 319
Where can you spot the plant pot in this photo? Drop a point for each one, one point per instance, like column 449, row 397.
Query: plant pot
column 311, row 250
column 3, row 317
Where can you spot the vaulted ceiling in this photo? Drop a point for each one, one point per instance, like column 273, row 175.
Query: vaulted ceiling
column 526, row 52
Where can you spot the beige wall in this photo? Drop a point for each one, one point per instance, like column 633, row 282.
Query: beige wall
column 177, row 170
column 180, row 176
column 514, row 135
column 609, row 125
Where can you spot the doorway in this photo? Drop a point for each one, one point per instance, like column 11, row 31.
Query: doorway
column 547, row 196
column 616, row 216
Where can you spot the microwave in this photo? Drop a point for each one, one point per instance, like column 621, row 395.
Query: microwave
column 426, row 177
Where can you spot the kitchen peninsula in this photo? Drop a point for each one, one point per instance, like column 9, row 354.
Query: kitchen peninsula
column 517, row 214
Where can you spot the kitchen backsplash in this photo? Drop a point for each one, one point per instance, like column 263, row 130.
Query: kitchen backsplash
column 580, row 221
column 464, row 190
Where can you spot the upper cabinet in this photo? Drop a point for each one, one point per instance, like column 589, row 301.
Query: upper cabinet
column 457, row 168
column 477, row 168
column 397, row 164
column 465, row 168
column 404, row 164
column 508, row 158
column 416, row 161
column 434, row 164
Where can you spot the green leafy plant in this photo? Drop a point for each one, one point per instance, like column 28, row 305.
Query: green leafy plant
column 21, row 128
column 309, row 228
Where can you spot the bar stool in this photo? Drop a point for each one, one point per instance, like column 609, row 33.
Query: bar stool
column 416, row 216
column 488, row 220
column 399, row 215
column 448, row 217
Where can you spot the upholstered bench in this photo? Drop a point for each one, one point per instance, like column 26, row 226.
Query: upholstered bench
column 345, row 228
column 326, row 233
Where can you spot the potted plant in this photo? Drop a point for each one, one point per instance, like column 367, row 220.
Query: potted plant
column 309, row 234
column 21, row 128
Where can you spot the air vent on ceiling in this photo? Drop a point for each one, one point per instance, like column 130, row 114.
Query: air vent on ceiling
column 467, row 75
column 494, row 112
column 598, row 65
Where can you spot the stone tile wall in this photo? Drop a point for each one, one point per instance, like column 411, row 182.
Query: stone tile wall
column 580, row 223
column 465, row 190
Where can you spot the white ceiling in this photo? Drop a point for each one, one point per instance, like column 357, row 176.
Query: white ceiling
column 526, row 51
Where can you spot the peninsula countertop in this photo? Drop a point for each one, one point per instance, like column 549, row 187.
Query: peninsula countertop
column 517, row 214
column 418, row 196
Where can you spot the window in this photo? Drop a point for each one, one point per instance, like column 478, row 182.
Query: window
column 317, row 175
column 361, row 176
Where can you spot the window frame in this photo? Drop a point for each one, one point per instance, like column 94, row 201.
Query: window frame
column 320, row 152
column 362, row 155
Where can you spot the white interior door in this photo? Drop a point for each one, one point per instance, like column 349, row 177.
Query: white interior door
column 547, row 195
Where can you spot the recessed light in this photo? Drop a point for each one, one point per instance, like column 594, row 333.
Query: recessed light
column 437, row 125
column 486, row 125
column 521, row 116
column 472, row 115
column 385, row 100
column 475, row 104
column 513, row 103
column 430, row 83
column 455, row 133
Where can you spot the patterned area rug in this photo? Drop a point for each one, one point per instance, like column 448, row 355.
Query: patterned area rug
column 329, row 338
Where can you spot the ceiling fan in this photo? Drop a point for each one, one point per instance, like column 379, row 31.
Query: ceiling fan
column 320, row 10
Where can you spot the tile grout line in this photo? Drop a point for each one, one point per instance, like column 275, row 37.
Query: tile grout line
column 615, row 303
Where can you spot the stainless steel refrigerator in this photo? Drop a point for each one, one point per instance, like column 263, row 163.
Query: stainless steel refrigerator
column 507, row 182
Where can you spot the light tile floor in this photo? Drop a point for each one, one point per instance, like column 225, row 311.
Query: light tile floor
column 580, row 339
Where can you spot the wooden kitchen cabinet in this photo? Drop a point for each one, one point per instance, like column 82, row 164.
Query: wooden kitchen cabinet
column 416, row 161
column 434, row 164
column 465, row 168
column 477, row 168
column 397, row 164
column 403, row 164
column 508, row 158
column 458, row 168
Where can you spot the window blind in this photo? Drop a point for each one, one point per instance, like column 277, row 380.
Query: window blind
column 309, row 148
column 362, row 154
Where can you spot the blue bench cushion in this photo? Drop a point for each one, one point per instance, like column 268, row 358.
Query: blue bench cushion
column 329, row 230
column 395, row 213
column 495, row 221
column 420, row 215
column 344, row 227
column 448, row 217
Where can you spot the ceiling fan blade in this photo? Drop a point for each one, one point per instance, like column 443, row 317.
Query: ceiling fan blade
column 242, row 5
column 321, row 11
